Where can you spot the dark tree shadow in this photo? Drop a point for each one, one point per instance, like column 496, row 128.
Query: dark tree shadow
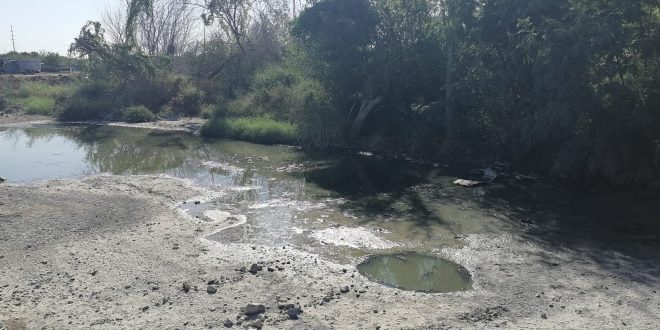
column 617, row 230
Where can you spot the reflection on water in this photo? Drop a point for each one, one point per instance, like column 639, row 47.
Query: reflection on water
column 415, row 272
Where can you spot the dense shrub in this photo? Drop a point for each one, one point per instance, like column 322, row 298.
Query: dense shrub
column 207, row 111
column 91, row 101
column 187, row 100
column 97, row 99
column 136, row 114
column 277, row 91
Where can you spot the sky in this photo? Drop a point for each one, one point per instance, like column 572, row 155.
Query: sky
column 45, row 25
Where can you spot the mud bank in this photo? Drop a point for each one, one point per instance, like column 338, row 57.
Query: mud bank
column 112, row 252
column 191, row 125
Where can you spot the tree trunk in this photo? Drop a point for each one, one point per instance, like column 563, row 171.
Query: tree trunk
column 449, row 95
column 449, row 81
column 365, row 109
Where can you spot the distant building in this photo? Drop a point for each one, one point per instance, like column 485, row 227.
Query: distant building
column 54, row 68
column 2, row 64
column 21, row 66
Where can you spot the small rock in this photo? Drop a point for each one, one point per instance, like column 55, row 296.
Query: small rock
column 327, row 298
column 253, row 309
column 258, row 324
column 186, row 287
column 44, row 262
column 198, row 202
column 543, row 316
column 254, row 268
column 228, row 323
column 271, row 269
column 293, row 312
column 284, row 306
column 211, row 289
column 94, row 272
column 344, row 290
column 2, row 179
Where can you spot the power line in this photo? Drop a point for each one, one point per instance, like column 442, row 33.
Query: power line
column 13, row 42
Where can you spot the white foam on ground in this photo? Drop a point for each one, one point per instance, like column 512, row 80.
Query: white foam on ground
column 359, row 237
column 225, row 219
column 222, row 166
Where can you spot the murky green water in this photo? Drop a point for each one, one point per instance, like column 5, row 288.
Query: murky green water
column 287, row 194
column 416, row 272
column 340, row 205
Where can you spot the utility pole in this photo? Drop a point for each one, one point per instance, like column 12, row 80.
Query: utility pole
column 13, row 42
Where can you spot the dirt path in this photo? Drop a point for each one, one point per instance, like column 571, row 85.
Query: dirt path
column 111, row 252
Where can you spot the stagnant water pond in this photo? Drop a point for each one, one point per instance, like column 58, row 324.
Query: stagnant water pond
column 344, row 206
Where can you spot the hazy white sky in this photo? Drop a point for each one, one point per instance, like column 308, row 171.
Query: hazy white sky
column 49, row 25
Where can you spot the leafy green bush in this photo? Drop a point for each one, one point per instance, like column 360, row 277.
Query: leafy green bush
column 188, row 100
column 137, row 114
column 91, row 101
column 207, row 111
column 260, row 130
column 279, row 92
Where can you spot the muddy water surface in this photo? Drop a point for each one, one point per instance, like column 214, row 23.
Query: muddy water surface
column 343, row 206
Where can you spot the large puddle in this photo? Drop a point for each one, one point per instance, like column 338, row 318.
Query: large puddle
column 343, row 206
column 416, row 272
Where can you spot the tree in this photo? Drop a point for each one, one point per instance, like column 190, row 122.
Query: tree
column 163, row 27
column 339, row 36
column 233, row 16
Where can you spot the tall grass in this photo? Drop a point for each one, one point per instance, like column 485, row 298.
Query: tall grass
column 35, row 98
column 31, row 88
column 37, row 105
column 258, row 129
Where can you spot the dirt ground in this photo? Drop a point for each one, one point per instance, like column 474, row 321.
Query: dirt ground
column 112, row 252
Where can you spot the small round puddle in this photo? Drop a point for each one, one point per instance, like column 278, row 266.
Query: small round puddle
column 415, row 272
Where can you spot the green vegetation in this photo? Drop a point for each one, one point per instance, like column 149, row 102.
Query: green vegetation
column 259, row 129
column 37, row 105
column 562, row 87
column 122, row 76
column 207, row 111
column 34, row 97
column 137, row 114
column 31, row 88
column 4, row 104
